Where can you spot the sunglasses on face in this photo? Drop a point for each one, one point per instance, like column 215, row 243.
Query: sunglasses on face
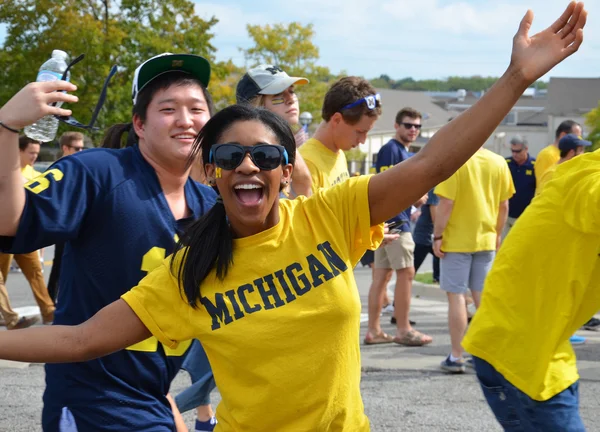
column 70, row 120
column 517, row 151
column 412, row 125
column 266, row 157
column 372, row 102
column 76, row 148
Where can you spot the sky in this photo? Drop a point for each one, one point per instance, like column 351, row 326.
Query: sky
column 424, row 39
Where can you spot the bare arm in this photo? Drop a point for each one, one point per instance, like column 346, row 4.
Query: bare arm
column 392, row 191
column 301, row 179
column 179, row 421
column 113, row 328
column 502, row 217
column 443, row 213
column 26, row 107
column 433, row 212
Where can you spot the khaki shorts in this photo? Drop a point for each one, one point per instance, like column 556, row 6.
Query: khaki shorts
column 397, row 255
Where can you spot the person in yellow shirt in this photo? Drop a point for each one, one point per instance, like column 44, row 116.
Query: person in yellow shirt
column 519, row 337
column 471, row 215
column 270, row 87
column 29, row 263
column 569, row 146
column 350, row 109
column 266, row 284
column 550, row 154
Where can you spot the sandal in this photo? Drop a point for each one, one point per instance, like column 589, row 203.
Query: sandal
column 413, row 338
column 381, row 338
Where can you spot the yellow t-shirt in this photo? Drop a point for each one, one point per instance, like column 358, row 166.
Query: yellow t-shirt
column 546, row 158
column 477, row 189
column 282, row 331
column 545, row 178
column 326, row 167
column 544, row 284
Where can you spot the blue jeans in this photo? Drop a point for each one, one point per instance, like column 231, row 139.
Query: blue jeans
column 197, row 365
column 517, row 412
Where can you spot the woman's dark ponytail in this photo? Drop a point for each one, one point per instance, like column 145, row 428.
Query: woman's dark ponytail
column 207, row 244
column 113, row 138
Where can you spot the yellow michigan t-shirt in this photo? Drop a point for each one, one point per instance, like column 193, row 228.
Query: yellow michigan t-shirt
column 477, row 189
column 326, row 168
column 546, row 158
column 544, row 284
column 281, row 332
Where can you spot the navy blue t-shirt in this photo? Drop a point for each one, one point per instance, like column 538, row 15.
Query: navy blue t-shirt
column 423, row 233
column 392, row 153
column 109, row 209
column 524, row 180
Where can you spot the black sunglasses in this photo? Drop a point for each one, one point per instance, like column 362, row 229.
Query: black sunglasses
column 229, row 156
column 70, row 120
column 517, row 151
column 412, row 125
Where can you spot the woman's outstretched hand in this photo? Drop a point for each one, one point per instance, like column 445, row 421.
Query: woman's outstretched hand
column 534, row 56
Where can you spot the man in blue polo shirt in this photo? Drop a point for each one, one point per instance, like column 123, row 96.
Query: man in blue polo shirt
column 396, row 255
column 521, row 166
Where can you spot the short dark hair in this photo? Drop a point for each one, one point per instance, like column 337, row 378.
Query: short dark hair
column 344, row 92
column 407, row 112
column 565, row 127
column 114, row 135
column 24, row 141
column 69, row 138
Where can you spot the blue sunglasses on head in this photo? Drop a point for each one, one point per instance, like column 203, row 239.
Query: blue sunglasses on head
column 370, row 100
column 229, row 156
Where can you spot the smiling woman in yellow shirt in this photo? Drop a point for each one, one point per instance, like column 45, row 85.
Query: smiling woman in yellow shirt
column 267, row 285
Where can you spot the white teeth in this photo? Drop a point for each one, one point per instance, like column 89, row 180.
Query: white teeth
column 185, row 136
column 248, row 186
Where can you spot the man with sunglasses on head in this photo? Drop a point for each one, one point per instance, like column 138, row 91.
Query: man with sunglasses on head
column 120, row 212
column 350, row 109
column 397, row 255
column 522, row 170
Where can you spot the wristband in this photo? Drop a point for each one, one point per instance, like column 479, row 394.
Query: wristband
column 9, row 128
column 437, row 238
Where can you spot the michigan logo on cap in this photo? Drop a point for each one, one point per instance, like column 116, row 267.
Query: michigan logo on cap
column 177, row 63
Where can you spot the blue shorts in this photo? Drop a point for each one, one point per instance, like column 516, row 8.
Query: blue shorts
column 517, row 412
column 197, row 365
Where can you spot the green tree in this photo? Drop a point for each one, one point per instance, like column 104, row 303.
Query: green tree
column 592, row 120
column 108, row 32
column 291, row 47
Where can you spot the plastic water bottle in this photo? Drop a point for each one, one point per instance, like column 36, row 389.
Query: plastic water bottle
column 45, row 129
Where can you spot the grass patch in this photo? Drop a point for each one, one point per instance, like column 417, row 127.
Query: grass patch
column 426, row 278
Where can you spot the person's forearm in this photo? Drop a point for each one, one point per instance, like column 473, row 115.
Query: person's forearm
column 442, row 216
column 454, row 144
column 179, row 421
column 12, row 193
column 301, row 179
column 113, row 328
column 50, row 344
column 446, row 151
column 502, row 217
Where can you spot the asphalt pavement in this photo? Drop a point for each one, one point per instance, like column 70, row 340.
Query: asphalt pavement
column 402, row 388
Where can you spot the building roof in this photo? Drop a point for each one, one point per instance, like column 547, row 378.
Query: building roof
column 394, row 100
column 572, row 96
